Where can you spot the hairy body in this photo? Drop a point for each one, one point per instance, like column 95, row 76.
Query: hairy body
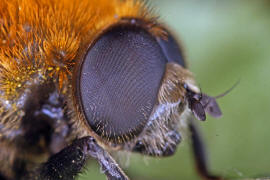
column 43, row 45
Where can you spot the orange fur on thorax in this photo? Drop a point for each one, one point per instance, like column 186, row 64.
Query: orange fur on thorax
column 42, row 38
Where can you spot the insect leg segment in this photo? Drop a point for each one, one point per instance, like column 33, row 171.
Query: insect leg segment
column 107, row 163
column 69, row 162
column 66, row 164
column 200, row 154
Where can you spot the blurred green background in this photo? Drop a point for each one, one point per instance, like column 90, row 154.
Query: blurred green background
column 224, row 41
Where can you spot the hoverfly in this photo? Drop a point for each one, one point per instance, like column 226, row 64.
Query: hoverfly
column 80, row 79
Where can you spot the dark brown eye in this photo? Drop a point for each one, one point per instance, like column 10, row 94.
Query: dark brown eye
column 119, row 80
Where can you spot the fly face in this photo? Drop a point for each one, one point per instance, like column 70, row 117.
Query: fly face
column 133, row 91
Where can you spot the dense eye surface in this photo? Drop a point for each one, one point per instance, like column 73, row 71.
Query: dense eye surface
column 119, row 81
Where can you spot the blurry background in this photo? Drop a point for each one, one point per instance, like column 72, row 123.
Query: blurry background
column 224, row 41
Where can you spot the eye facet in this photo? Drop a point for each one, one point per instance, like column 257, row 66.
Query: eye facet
column 118, row 82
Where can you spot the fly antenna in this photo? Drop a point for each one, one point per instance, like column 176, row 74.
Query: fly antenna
column 228, row 91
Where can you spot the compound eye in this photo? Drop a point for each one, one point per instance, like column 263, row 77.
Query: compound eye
column 118, row 82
